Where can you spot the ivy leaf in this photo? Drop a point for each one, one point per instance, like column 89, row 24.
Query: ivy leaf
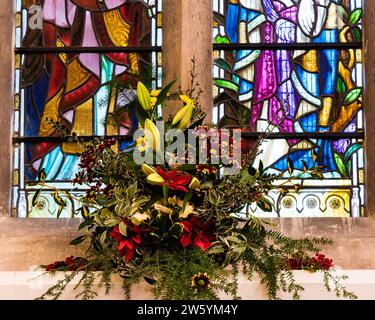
column 340, row 164
column 36, row 197
column 213, row 197
column 103, row 238
column 176, row 230
column 352, row 95
column 351, row 150
column 123, row 228
column 78, row 240
column 290, row 166
column 355, row 16
column 111, row 222
column 264, row 204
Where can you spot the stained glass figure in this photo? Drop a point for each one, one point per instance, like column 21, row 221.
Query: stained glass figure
column 294, row 68
column 65, row 79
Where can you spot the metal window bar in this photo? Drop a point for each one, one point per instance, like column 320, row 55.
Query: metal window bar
column 287, row 46
column 31, row 50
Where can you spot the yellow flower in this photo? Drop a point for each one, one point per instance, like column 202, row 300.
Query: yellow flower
column 153, row 101
column 183, row 117
column 144, row 97
column 155, row 93
column 155, row 179
column 194, row 184
column 142, row 144
column 186, row 99
column 147, row 170
column 152, row 134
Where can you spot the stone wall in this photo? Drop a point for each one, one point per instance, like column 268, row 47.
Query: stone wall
column 187, row 33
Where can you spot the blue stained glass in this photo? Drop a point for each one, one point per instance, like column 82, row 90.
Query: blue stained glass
column 299, row 90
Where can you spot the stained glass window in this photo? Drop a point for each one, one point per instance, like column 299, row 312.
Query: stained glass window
column 292, row 71
column 67, row 51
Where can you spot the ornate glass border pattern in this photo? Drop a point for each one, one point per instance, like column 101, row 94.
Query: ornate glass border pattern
column 67, row 51
column 291, row 71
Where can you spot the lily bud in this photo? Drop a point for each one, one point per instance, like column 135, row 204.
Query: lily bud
column 155, row 93
column 186, row 99
column 152, row 134
column 155, row 179
column 194, row 184
column 144, row 97
column 183, row 117
column 147, row 170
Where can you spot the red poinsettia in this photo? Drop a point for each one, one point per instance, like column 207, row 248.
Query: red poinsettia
column 197, row 232
column 127, row 244
column 174, row 180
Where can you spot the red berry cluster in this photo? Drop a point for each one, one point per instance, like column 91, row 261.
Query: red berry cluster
column 322, row 262
column 70, row 264
column 89, row 159
column 318, row 262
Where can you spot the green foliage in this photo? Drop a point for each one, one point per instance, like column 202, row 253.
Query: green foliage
column 171, row 231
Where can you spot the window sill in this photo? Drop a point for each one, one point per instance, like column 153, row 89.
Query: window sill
column 30, row 285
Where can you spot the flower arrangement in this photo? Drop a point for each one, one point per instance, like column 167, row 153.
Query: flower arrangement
column 174, row 221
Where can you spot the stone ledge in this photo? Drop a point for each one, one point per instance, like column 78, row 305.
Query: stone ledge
column 27, row 242
column 30, row 285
